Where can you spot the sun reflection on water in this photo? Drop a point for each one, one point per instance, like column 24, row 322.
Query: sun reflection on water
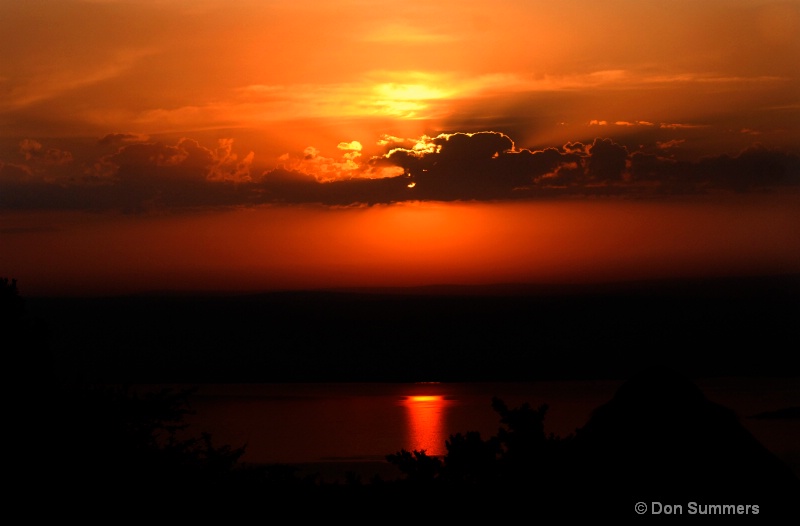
column 426, row 418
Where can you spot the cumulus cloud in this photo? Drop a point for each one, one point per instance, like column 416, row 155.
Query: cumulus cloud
column 456, row 165
column 33, row 150
column 227, row 166
column 349, row 165
column 187, row 159
column 144, row 175
column 352, row 146
column 607, row 160
column 29, row 148
column 352, row 151
column 325, row 169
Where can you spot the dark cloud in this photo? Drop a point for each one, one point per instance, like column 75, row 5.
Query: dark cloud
column 488, row 166
column 138, row 176
column 606, row 161
column 284, row 186
column 474, row 147
column 156, row 175
column 147, row 175
column 459, row 166
column 22, row 189
column 756, row 167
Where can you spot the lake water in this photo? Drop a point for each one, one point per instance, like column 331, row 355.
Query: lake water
column 339, row 422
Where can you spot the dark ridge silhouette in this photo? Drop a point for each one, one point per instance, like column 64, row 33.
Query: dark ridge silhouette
column 660, row 439
column 576, row 332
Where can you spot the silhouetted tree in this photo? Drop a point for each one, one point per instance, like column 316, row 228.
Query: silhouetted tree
column 12, row 306
column 112, row 440
column 23, row 339
column 417, row 466
column 471, row 459
column 520, row 452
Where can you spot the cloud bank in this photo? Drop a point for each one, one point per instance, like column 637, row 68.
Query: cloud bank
column 133, row 173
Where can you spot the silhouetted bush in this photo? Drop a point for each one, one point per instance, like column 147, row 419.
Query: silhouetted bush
column 519, row 453
column 112, row 440
column 417, row 466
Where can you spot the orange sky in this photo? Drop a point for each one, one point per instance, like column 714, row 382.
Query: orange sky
column 401, row 245
column 156, row 123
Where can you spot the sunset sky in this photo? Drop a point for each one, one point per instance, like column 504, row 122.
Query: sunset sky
column 253, row 145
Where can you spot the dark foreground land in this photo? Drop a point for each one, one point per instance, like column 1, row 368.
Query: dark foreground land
column 100, row 452
column 658, row 442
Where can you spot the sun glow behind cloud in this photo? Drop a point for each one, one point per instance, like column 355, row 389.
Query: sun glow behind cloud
column 160, row 67
column 406, row 100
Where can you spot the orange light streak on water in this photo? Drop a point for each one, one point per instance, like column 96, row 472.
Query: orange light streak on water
column 426, row 423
